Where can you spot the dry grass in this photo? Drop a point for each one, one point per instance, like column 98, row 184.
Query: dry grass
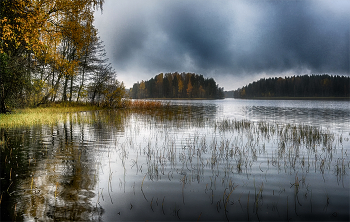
column 144, row 104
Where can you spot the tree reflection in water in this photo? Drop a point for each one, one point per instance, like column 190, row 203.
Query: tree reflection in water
column 50, row 172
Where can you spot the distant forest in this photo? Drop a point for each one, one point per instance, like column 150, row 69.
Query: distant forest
column 176, row 85
column 296, row 86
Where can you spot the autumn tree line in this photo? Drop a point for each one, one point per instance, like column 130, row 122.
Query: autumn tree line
column 296, row 86
column 50, row 51
column 177, row 85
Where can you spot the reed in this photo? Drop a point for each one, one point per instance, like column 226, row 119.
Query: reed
column 144, row 104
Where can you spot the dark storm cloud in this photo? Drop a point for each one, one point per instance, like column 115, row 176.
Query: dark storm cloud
column 201, row 33
column 231, row 38
column 304, row 35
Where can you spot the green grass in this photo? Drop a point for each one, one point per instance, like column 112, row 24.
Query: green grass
column 50, row 114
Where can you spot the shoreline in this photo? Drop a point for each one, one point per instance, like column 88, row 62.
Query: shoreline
column 296, row 98
column 178, row 99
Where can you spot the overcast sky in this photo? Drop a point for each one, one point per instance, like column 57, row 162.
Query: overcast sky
column 235, row 42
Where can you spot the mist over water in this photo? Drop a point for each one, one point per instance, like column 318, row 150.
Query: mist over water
column 215, row 160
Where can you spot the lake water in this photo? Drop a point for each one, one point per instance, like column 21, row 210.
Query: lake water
column 202, row 160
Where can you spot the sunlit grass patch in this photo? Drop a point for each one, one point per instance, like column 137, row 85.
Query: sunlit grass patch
column 57, row 112
column 42, row 115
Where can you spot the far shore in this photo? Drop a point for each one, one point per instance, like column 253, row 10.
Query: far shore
column 180, row 99
column 258, row 98
column 297, row 98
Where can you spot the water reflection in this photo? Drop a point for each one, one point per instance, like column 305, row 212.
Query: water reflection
column 228, row 170
column 328, row 116
column 333, row 114
column 183, row 162
column 49, row 172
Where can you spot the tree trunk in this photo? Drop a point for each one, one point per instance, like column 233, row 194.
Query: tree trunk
column 71, row 89
column 2, row 100
column 82, row 81
column 64, row 96
column 93, row 97
column 52, row 92
column 53, row 82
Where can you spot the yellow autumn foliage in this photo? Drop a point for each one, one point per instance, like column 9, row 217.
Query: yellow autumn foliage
column 41, row 26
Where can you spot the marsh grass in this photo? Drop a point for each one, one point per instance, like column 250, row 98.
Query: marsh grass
column 144, row 104
column 284, row 149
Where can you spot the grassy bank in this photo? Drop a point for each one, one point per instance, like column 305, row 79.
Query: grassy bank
column 56, row 112
column 42, row 115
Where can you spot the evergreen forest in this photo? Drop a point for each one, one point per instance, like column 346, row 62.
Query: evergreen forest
column 177, row 85
column 50, row 51
column 296, row 86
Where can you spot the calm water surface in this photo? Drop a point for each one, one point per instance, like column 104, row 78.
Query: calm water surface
column 215, row 160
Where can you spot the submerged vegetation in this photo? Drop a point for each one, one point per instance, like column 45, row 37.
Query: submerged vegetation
column 235, row 165
column 173, row 165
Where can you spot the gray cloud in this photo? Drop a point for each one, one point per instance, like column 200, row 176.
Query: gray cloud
column 226, row 39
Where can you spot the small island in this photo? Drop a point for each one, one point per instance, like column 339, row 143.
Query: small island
column 177, row 86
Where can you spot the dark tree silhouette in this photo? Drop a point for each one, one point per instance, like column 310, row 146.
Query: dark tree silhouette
column 295, row 86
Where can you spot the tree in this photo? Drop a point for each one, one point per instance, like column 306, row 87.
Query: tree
column 42, row 41
column 180, row 85
column 201, row 92
column 189, row 89
column 103, row 76
column 159, row 85
column 142, row 90
column 113, row 94
column 93, row 57
column 135, row 90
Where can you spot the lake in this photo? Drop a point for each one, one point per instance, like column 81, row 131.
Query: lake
column 196, row 160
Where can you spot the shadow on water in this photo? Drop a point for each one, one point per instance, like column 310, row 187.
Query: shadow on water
column 175, row 163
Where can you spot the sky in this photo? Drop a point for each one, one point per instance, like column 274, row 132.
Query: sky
column 233, row 41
